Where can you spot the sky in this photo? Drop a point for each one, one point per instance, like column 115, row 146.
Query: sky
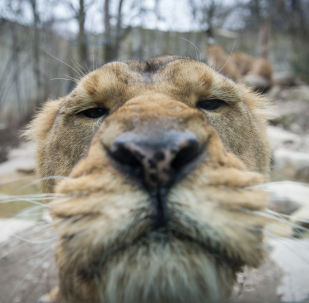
column 175, row 14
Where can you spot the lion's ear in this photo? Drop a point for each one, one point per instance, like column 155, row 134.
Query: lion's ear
column 37, row 129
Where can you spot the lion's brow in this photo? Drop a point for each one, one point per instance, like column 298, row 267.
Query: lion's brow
column 153, row 64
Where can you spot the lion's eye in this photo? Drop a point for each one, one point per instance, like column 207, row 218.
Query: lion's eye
column 211, row 104
column 94, row 113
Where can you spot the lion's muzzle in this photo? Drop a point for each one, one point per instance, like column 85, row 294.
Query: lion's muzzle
column 157, row 161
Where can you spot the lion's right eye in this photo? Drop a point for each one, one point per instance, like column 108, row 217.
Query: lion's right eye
column 94, row 113
column 210, row 105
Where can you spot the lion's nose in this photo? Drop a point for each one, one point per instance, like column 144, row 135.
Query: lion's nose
column 156, row 160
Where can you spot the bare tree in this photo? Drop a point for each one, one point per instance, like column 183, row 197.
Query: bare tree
column 112, row 37
column 11, row 71
column 118, row 35
column 114, row 31
column 36, row 46
column 108, row 44
column 83, row 52
column 80, row 15
column 299, row 20
column 264, row 38
column 209, row 15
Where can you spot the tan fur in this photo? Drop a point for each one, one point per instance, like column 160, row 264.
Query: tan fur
column 243, row 62
column 108, row 250
column 222, row 62
column 262, row 68
column 241, row 67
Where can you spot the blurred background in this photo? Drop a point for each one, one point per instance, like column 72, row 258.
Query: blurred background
column 46, row 46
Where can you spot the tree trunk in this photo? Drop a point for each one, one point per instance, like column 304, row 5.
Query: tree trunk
column 36, row 49
column 108, row 44
column 82, row 39
column 118, row 29
column 264, row 37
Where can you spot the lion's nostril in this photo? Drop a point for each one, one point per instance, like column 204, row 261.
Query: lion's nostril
column 159, row 155
column 186, row 154
column 155, row 160
column 123, row 155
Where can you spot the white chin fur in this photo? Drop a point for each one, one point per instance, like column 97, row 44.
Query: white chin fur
column 165, row 273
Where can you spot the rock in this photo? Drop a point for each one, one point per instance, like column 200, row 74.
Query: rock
column 300, row 219
column 290, row 108
column 284, row 79
column 274, row 92
column 3, row 154
column 10, row 227
column 256, row 82
column 289, row 202
column 289, row 191
column 20, row 158
column 282, row 205
column 291, row 164
column 286, row 198
column 27, row 265
column 280, row 138
column 290, row 154
column 291, row 256
column 283, row 276
column 300, row 93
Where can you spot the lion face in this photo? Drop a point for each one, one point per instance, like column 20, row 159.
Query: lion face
column 160, row 157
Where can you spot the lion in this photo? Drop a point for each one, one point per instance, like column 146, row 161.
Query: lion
column 243, row 62
column 159, row 160
column 243, row 68
column 222, row 62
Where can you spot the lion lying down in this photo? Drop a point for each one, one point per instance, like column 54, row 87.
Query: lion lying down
column 256, row 73
column 160, row 156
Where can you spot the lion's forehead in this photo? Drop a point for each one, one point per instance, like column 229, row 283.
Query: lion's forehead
column 177, row 77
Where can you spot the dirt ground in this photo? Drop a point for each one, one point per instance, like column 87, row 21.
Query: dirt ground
column 27, row 265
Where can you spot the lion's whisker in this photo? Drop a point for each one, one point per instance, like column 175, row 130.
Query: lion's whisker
column 65, row 63
column 25, row 199
column 58, row 201
column 82, row 69
column 34, row 268
column 33, row 242
column 37, row 181
column 30, row 212
column 5, row 198
column 229, row 57
column 276, row 217
column 2, row 183
column 36, row 196
column 300, row 220
column 72, row 78
column 284, row 241
column 49, row 250
column 264, row 186
column 31, row 232
column 197, row 50
column 66, row 79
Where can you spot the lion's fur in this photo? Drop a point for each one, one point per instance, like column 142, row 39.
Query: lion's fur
column 108, row 250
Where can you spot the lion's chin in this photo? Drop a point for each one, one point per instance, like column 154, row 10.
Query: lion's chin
column 169, row 272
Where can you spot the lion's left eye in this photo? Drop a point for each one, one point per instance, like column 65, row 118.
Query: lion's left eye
column 94, row 113
column 211, row 104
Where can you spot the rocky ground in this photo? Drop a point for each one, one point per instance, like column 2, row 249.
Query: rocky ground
column 26, row 244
